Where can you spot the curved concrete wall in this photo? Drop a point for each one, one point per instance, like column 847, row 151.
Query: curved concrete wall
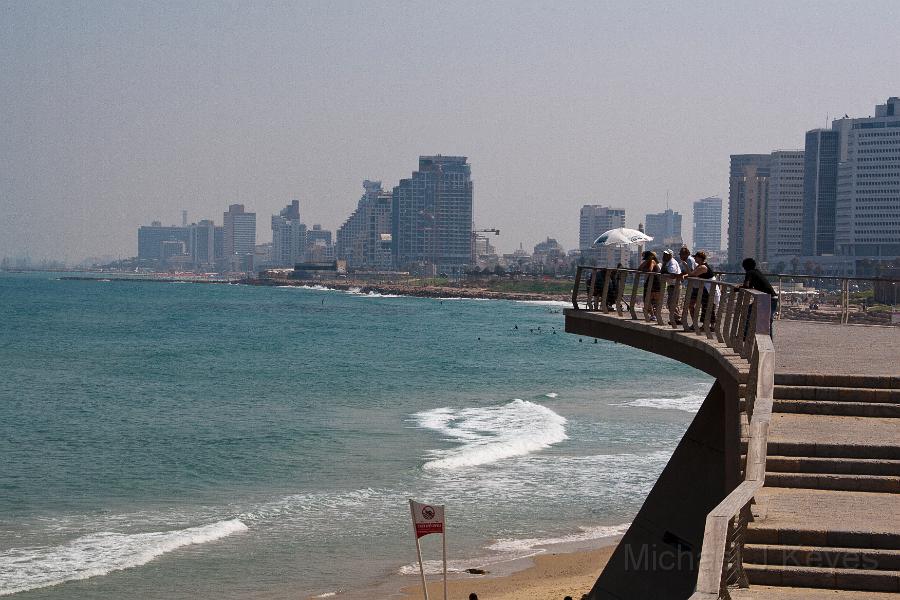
column 658, row 557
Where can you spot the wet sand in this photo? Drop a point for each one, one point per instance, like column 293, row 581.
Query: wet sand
column 552, row 576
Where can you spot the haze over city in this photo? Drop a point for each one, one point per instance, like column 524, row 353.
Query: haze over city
column 116, row 115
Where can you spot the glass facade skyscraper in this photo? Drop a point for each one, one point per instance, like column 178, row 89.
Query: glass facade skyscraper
column 819, row 191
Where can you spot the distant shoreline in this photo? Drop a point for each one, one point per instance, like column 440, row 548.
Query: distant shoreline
column 402, row 289
column 346, row 285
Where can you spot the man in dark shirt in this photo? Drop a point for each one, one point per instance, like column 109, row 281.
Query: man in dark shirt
column 755, row 280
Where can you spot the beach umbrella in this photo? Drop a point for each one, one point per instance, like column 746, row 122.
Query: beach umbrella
column 622, row 236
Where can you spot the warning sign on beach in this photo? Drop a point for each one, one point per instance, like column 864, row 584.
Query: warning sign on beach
column 427, row 518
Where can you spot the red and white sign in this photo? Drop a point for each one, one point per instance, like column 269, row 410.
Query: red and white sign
column 427, row 518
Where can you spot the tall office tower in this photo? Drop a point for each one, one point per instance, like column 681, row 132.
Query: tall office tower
column 708, row 224
column 819, row 191
column 364, row 240
column 151, row 237
column 219, row 247
column 203, row 244
column 748, row 186
column 432, row 215
column 318, row 244
column 664, row 228
column 784, row 209
column 288, row 236
column 867, row 219
column 238, row 238
column 596, row 219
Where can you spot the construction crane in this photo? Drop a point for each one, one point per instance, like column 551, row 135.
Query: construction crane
column 477, row 231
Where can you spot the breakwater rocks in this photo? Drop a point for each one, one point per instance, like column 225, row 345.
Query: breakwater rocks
column 404, row 289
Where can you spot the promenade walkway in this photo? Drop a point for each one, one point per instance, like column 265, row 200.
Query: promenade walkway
column 831, row 349
column 826, row 524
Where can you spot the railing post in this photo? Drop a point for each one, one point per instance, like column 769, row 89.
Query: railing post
column 724, row 308
column 648, row 295
column 634, row 289
column 575, row 289
column 607, row 276
column 676, row 300
column 593, row 287
column 685, row 313
column 622, row 277
column 736, row 337
column 710, row 311
column 749, row 340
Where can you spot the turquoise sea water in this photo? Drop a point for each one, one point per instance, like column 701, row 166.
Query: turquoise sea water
column 223, row 441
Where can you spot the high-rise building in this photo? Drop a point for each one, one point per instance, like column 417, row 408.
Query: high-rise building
column 319, row 247
column 867, row 208
column 288, row 237
column 595, row 220
column 203, row 244
column 238, row 238
column 365, row 240
column 664, row 228
column 151, row 237
column 432, row 214
column 748, row 185
column 820, row 192
column 708, row 224
column 784, row 206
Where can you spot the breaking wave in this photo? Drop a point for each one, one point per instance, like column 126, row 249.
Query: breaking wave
column 97, row 554
column 490, row 434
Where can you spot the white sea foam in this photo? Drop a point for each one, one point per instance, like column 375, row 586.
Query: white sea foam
column 514, row 549
column 688, row 402
column 545, row 302
column 97, row 554
column 489, row 434
column 587, row 534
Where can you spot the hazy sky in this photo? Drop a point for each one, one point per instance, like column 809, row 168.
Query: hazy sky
column 115, row 114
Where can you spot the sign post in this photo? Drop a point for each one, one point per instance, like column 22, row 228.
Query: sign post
column 427, row 519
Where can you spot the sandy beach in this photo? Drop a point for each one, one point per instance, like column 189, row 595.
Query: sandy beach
column 552, row 576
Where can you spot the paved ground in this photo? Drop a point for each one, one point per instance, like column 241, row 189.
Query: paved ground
column 764, row 592
column 833, row 430
column 827, row 511
column 826, row 348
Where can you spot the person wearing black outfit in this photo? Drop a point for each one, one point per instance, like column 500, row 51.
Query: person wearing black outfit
column 755, row 280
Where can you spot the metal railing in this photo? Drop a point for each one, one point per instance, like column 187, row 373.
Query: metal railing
column 741, row 319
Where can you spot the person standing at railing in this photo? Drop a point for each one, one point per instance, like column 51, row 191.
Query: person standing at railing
column 688, row 264
column 703, row 271
column 670, row 266
column 755, row 280
column 650, row 264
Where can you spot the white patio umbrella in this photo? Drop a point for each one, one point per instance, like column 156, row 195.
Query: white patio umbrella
column 622, row 236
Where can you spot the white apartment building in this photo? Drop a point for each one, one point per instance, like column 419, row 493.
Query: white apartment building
column 867, row 212
column 784, row 206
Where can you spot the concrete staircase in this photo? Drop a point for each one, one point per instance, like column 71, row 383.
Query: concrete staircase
column 827, row 522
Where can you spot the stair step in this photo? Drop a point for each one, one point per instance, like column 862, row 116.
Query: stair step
column 824, row 380
column 825, row 450
column 829, row 407
column 818, row 556
column 758, row 534
column 849, row 466
column 889, row 484
column 824, row 578
column 837, row 394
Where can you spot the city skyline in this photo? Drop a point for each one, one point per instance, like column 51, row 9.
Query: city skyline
column 121, row 115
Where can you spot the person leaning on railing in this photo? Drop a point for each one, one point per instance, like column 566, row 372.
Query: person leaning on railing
column 755, row 280
column 703, row 271
column 670, row 267
column 651, row 265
